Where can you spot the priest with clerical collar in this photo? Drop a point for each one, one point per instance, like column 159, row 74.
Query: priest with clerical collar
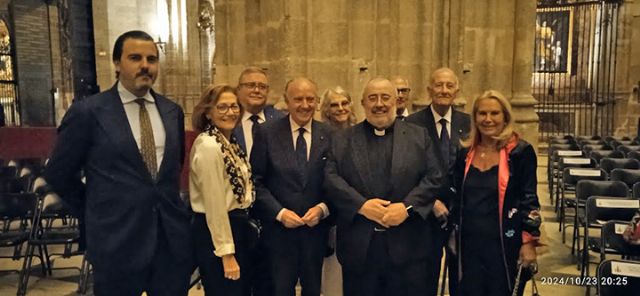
column 383, row 177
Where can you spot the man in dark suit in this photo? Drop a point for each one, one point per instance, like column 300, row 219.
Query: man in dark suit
column 252, row 90
column 446, row 127
column 129, row 142
column 382, row 177
column 288, row 161
column 404, row 97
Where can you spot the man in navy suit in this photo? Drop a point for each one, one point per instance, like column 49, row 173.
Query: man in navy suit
column 446, row 127
column 252, row 90
column 382, row 177
column 288, row 161
column 129, row 142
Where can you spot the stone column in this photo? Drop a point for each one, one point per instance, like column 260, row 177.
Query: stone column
column 523, row 102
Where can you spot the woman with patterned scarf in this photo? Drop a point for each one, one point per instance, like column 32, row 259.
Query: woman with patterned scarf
column 221, row 192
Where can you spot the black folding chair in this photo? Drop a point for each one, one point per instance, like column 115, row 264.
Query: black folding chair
column 53, row 225
column 608, row 164
column 628, row 148
column 600, row 210
column 628, row 176
column 633, row 155
column 570, row 177
column 554, row 171
column 16, row 213
column 618, row 278
column 586, row 189
column 598, row 155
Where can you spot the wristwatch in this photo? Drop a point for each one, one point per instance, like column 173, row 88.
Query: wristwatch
column 410, row 210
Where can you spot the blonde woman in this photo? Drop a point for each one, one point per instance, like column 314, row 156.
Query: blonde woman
column 497, row 208
column 336, row 108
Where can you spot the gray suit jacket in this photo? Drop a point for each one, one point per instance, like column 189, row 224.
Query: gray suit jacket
column 415, row 178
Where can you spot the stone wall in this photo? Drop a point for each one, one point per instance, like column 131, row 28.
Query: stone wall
column 33, row 61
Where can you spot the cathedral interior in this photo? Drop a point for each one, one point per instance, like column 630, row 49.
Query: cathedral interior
column 568, row 67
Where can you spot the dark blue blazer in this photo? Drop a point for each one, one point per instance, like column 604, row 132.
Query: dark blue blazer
column 122, row 205
column 279, row 181
column 270, row 113
column 460, row 125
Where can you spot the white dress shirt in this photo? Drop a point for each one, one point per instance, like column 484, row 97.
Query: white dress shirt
column 437, row 118
column 247, row 128
column 132, row 109
column 307, row 137
column 307, row 134
column 211, row 193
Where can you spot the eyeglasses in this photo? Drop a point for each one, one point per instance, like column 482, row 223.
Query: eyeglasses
column 404, row 90
column 343, row 104
column 223, row 109
column 373, row 99
column 253, row 85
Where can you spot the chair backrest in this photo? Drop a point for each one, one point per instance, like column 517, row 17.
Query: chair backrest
column 577, row 162
column 618, row 278
column 17, row 205
column 571, row 176
column 588, row 188
column 626, row 148
column 598, row 155
column 611, row 238
column 635, row 190
column 628, row 176
column 601, row 209
column 8, row 171
column 633, row 155
column 590, row 147
column 608, row 164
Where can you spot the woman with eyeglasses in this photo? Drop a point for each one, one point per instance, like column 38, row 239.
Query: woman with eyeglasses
column 335, row 109
column 221, row 192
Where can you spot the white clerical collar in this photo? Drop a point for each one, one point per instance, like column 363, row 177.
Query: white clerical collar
column 127, row 97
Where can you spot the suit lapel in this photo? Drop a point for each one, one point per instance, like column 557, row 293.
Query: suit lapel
column 238, row 132
column 113, row 119
column 285, row 144
column 456, row 134
column 168, row 114
column 359, row 144
column 399, row 149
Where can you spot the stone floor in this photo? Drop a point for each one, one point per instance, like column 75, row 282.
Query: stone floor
column 556, row 261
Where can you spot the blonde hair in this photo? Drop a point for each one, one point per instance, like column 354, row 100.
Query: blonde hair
column 507, row 132
column 325, row 106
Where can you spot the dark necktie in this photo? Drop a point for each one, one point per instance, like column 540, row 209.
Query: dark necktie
column 254, row 126
column 147, row 142
column 301, row 149
column 444, row 142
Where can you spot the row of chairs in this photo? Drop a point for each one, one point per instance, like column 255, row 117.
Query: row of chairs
column 31, row 215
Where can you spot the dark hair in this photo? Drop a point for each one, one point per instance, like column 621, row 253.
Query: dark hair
column 117, row 47
column 208, row 100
